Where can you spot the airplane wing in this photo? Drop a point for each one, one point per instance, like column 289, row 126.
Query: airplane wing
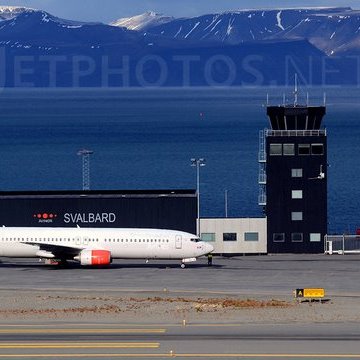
column 59, row 251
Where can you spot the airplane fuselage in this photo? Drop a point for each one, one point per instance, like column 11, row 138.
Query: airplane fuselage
column 72, row 243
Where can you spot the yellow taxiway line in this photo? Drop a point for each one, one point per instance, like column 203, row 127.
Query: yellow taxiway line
column 78, row 345
column 83, row 331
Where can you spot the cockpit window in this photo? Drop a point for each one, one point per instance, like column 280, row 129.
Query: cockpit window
column 195, row 240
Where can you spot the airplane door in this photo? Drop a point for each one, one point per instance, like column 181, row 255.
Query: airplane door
column 178, row 242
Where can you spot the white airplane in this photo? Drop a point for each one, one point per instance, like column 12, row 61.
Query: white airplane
column 98, row 246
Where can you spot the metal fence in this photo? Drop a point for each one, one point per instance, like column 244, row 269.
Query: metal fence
column 342, row 244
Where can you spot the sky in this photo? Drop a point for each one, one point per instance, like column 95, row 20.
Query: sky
column 109, row 10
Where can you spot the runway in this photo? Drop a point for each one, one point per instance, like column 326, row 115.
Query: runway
column 264, row 275
column 207, row 341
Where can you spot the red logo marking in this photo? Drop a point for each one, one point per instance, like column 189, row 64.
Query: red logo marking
column 44, row 216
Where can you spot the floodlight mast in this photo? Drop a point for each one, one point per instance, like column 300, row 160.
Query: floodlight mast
column 85, row 154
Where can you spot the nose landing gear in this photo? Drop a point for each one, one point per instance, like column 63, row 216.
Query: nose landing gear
column 186, row 261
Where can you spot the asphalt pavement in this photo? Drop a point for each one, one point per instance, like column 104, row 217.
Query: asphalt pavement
column 249, row 276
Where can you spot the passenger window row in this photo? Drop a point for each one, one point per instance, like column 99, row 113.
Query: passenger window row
column 138, row 240
column 84, row 239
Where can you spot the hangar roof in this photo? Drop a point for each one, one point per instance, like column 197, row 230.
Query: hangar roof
column 98, row 193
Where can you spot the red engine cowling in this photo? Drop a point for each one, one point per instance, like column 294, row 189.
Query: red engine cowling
column 94, row 257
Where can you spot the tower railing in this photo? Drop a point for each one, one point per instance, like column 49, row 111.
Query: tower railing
column 262, row 151
column 321, row 132
column 262, row 176
column 262, row 169
column 262, row 197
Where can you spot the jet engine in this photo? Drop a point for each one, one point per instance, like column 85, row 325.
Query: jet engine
column 94, row 257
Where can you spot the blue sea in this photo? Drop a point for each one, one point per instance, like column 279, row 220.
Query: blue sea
column 144, row 139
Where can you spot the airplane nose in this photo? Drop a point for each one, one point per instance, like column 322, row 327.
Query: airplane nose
column 209, row 248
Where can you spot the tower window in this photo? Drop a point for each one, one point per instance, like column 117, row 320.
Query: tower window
column 317, row 149
column 304, row 149
column 297, row 173
column 296, row 216
column 289, row 149
column 278, row 237
column 275, row 149
column 315, row 237
column 296, row 194
column 296, row 237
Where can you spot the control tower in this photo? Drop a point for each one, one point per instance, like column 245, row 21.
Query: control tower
column 293, row 178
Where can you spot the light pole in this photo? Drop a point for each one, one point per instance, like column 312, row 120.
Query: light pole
column 226, row 203
column 198, row 163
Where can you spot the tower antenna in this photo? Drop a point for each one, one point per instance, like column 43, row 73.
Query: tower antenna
column 296, row 91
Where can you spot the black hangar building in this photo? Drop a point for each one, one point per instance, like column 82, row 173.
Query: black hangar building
column 293, row 179
column 160, row 209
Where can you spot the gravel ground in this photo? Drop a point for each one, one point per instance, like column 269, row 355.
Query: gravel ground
column 170, row 308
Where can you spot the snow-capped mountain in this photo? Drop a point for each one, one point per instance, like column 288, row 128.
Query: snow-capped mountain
column 32, row 28
column 19, row 14
column 332, row 30
column 9, row 12
column 336, row 33
column 143, row 21
column 13, row 12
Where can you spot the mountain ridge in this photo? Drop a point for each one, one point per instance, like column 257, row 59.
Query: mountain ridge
column 320, row 25
column 249, row 47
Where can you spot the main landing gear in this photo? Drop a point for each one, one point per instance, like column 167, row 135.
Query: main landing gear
column 61, row 263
